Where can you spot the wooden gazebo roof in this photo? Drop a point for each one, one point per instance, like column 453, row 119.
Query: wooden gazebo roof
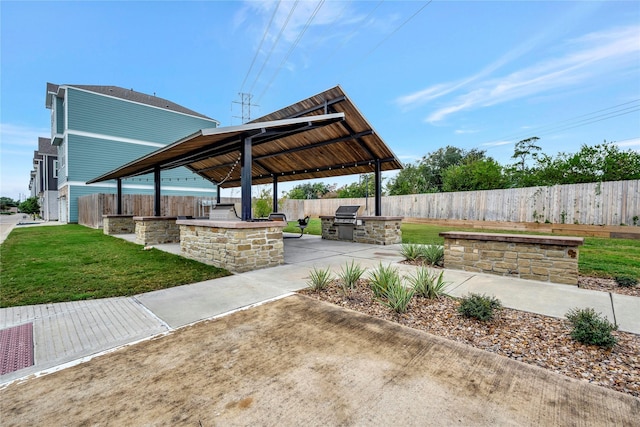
column 322, row 136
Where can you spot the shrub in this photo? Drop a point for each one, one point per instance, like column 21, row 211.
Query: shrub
column 626, row 281
column 349, row 274
column 381, row 278
column 319, row 279
column 427, row 284
column 591, row 328
column 410, row 251
column 432, row 254
column 397, row 296
column 479, row 307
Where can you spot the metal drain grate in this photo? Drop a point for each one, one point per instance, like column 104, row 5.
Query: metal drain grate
column 16, row 348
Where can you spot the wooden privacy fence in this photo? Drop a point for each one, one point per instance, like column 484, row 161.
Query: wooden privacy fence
column 92, row 207
column 598, row 203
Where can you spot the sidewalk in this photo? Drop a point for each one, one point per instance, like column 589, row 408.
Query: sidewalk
column 67, row 333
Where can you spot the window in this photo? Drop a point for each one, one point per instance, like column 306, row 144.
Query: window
column 56, row 166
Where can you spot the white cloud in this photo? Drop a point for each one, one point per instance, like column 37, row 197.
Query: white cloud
column 496, row 143
column 464, row 131
column 633, row 142
column 587, row 58
column 21, row 136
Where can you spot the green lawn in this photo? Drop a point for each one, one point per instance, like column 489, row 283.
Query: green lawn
column 598, row 256
column 72, row 262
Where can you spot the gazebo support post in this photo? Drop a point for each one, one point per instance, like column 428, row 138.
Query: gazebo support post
column 119, row 196
column 246, row 179
column 217, row 194
column 378, row 178
column 275, row 193
column 156, row 196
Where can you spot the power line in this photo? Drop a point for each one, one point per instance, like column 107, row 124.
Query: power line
column 573, row 122
column 284, row 25
column 264, row 36
column 293, row 46
column 389, row 35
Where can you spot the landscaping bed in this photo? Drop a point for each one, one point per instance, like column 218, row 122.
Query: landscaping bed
column 532, row 338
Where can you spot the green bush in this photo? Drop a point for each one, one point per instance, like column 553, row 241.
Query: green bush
column 427, row 284
column 626, row 281
column 591, row 328
column 381, row 278
column 397, row 296
column 350, row 274
column 410, row 251
column 479, row 307
column 432, row 254
column 319, row 279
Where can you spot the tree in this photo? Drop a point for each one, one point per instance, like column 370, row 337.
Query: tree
column 30, row 206
column 6, row 203
column 524, row 149
column 601, row 162
column 309, row 191
column 409, row 180
column 474, row 174
column 364, row 187
column 262, row 206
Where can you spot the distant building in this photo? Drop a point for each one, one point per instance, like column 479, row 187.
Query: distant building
column 96, row 129
column 44, row 179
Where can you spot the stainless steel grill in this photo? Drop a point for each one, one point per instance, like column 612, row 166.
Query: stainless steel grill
column 346, row 215
column 345, row 221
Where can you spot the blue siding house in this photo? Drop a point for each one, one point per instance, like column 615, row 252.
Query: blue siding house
column 44, row 179
column 99, row 128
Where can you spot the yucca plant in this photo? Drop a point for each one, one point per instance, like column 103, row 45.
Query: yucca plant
column 381, row 278
column 410, row 251
column 432, row 254
column 319, row 279
column 350, row 274
column 428, row 284
column 397, row 296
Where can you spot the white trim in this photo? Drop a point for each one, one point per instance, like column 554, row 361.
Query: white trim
column 113, row 138
column 141, row 103
column 142, row 187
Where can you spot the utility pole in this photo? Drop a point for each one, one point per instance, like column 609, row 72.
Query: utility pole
column 245, row 101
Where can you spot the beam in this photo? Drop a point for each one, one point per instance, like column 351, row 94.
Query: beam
column 119, row 196
column 217, row 194
column 324, row 168
column 245, row 179
column 378, row 178
column 275, row 193
column 156, row 194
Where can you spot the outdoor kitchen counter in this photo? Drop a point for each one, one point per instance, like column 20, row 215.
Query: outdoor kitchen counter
column 237, row 246
column 377, row 230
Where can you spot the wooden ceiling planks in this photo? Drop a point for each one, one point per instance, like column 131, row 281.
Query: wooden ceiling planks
column 287, row 147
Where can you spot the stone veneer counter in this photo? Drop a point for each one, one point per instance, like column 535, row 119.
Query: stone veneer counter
column 118, row 224
column 237, row 246
column 374, row 230
column 544, row 258
column 156, row 230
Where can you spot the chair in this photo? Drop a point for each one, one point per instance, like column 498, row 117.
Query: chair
column 303, row 223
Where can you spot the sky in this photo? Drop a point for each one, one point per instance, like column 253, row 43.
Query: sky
column 426, row 74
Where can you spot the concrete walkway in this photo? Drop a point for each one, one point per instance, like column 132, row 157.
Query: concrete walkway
column 68, row 333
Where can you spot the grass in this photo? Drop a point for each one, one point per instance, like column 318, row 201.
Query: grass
column 314, row 227
column 72, row 262
column 599, row 257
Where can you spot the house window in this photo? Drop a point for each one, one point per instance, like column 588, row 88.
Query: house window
column 56, row 166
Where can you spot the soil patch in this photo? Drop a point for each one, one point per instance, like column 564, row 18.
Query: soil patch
column 298, row 361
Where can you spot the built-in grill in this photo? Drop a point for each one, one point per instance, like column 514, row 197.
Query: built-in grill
column 345, row 220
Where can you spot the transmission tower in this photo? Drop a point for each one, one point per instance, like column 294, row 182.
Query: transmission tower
column 245, row 101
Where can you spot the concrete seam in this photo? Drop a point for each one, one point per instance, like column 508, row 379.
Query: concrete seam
column 613, row 309
column 144, row 307
column 463, row 282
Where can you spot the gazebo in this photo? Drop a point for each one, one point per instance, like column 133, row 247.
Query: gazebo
column 322, row 136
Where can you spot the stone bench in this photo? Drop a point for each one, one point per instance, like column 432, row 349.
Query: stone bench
column 544, row 258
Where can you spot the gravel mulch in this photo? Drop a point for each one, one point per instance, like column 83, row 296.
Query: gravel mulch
column 606, row 285
column 528, row 337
